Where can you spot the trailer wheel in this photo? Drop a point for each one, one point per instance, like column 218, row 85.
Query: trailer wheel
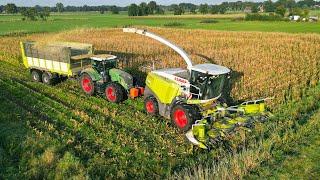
column 183, row 116
column 114, row 92
column 87, row 84
column 47, row 78
column 36, row 75
column 151, row 105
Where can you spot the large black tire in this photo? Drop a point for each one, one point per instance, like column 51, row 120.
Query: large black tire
column 183, row 116
column 87, row 84
column 47, row 78
column 36, row 75
column 151, row 106
column 114, row 92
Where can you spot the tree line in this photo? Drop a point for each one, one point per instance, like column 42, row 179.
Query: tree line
column 11, row 8
column 279, row 6
column 143, row 9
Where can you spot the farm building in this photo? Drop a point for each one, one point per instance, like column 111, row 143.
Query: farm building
column 248, row 9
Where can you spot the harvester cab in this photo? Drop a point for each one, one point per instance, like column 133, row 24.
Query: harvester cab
column 190, row 97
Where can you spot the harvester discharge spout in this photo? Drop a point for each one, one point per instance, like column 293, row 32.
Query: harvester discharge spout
column 175, row 47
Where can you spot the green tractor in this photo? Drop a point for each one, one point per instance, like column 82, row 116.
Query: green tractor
column 98, row 74
column 103, row 77
column 190, row 97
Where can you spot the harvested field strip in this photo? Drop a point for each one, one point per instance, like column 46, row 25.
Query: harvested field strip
column 94, row 141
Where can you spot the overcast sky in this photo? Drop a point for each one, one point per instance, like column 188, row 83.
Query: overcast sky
column 102, row 2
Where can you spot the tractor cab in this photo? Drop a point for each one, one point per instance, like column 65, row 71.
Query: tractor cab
column 103, row 62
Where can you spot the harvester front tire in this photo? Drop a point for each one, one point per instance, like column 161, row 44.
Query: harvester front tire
column 151, row 106
column 87, row 84
column 36, row 75
column 183, row 116
column 114, row 93
column 47, row 78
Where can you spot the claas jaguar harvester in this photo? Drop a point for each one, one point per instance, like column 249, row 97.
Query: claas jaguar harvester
column 190, row 98
column 96, row 73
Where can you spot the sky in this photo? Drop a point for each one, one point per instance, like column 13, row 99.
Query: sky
column 102, row 2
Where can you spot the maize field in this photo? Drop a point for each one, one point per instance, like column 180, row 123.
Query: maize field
column 68, row 134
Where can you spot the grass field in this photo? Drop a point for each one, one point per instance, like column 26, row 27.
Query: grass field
column 12, row 24
column 59, row 132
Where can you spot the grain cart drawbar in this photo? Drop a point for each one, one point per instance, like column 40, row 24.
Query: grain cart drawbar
column 96, row 73
column 190, row 98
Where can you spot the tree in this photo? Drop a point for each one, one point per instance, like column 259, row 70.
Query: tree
column 60, row 7
column 30, row 13
column 193, row 10
column 85, row 8
column 11, row 8
column 204, row 8
column 214, row 9
column 133, row 10
column 296, row 11
column 159, row 10
column 1, row 8
column 45, row 13
column 222, row 9
column 306, row 12
column 143, row 9
column 114, row 10
column 254, row 8
column 102, row 9
column 281, row 10
column 177, row 10
column 152, row 5
column 269, row 6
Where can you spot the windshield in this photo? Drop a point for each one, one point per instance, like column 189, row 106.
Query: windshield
column 104, row 65
column 210, row 86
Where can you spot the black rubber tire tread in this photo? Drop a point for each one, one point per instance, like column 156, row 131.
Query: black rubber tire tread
column 47, row 76
column 38, row 73
column 155, row 104
column 191, row 113
column 92, row 92
column 119, row 91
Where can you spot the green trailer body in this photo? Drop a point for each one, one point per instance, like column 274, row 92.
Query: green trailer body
column 61, row 58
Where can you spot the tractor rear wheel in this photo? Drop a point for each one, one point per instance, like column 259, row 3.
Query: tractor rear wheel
column 36, row 75
column 87, row 84
column 151, row 105
column 183, row 116
column 47, row 78
column 114, row 92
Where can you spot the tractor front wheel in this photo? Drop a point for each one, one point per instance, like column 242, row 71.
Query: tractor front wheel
column 183, row 116
column 87, row 84
column 151, row 105
column 114, row 92
column 36, row 75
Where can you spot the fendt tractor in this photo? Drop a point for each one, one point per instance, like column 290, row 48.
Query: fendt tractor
column 96, row 73
column 190, row 98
